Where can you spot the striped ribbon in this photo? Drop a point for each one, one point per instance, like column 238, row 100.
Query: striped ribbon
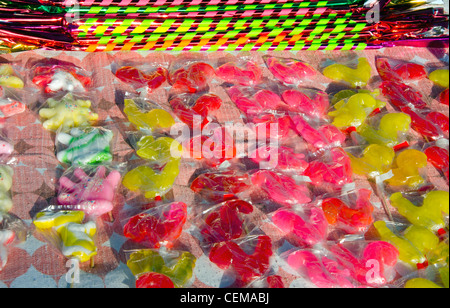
column 202, row 2
column 136, row 27
column 225, row 44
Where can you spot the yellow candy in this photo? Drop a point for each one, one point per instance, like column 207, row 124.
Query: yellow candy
column 407, row 172
column 159, row 150
column 8, row 78
column 355, row 77
column 421, row 283
column 408, row 253
column 153, row 184
column 388, row 131
column 155, row 118
column 440, row 77
column 429, row 215
column 376, row 160
column 353, row 111
column 47, row 220
column 67, row 113
column 77, row 238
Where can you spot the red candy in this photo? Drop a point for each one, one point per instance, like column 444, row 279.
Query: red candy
column 424, row 125
column 248, row 76
column 154, row 280
column 219, row 187
column 443, row 97
column 193, row 79
column 289, row 71
column 280, row 188
column 246, row 266
column 154, row 231
column 202, row 108
column 43, row 75
column 401, row 95
column 139, row 79
column 312, row 107
column 351, row 218
column 439, row 158
column 225, row 223
column 410, row 71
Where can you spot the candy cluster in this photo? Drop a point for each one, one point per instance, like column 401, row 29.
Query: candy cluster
column 330, row 184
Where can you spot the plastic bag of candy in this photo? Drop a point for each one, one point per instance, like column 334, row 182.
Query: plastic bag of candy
column 158, row 226
column 243, row 260
column 225, row 221
column 147, row 115
column 161, row 268
column 10, row 75
column 311, row 103
column 64, row 111
column 352, row 71
column 289, row 71
column 70, row 231
column 400, row 70
column 53, row 75
column 302, row 226
column 438, row 155
column 11, row 90
column 241, row 70
column 195, row 110
column 439, row 77
column 90, row 188
column 90, row 145
column 190, row 74
column 13, row 231
column 141, row 77
column 349, row 264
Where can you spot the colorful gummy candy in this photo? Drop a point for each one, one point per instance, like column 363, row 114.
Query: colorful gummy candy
column 157, row 227
column 225, row 222
column 153, row 119
column 191, row 79
column 352, row 218
column 390, row 127
column 76, row 237
column 356, row 77
column 303, row 229
column 158, row 150
column 246, row 266
column 67, row 112
column 439, row 158
column 155, row 270
column 289, row 71
column 139, row 79
column 430, row 214
column 92, row 193
column 353, row 110
column 8, row 77
column 407, row 169
column 85, row 146
column 247, row 74
column 314, row 104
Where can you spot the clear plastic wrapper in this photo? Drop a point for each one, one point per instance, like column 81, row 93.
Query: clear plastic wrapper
column 10, row 76
column 400, row 70
column 53, row 76
column 159, row 226
column 278, row 188
column 438, row 155
column 329, row 171
column 309, row 102
column 225, row 221
column 13, row 231
column 350, row 109
column 190, row 74
column 155, row 174
column 415, row 244
column 281, row 158
column 303, row 226
column 246, row 259
column 6, row 148
column 239, row 71
column 351, row 264
column 213, row 147
column 222, row 186
column 146, row 115
column 91, row 189
column 90, row 145
column 425, row 209
column 349, row 211
column 70, row 110
column 269, row 282
column 371, row 161
column 389, row 129
column 432, row 278
column 161, row 268
column 10, row 103
column 195, row 109
column 142, row 77
column 69, row 231
column 352, row 71
column 288, row 70
column 6, row 175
